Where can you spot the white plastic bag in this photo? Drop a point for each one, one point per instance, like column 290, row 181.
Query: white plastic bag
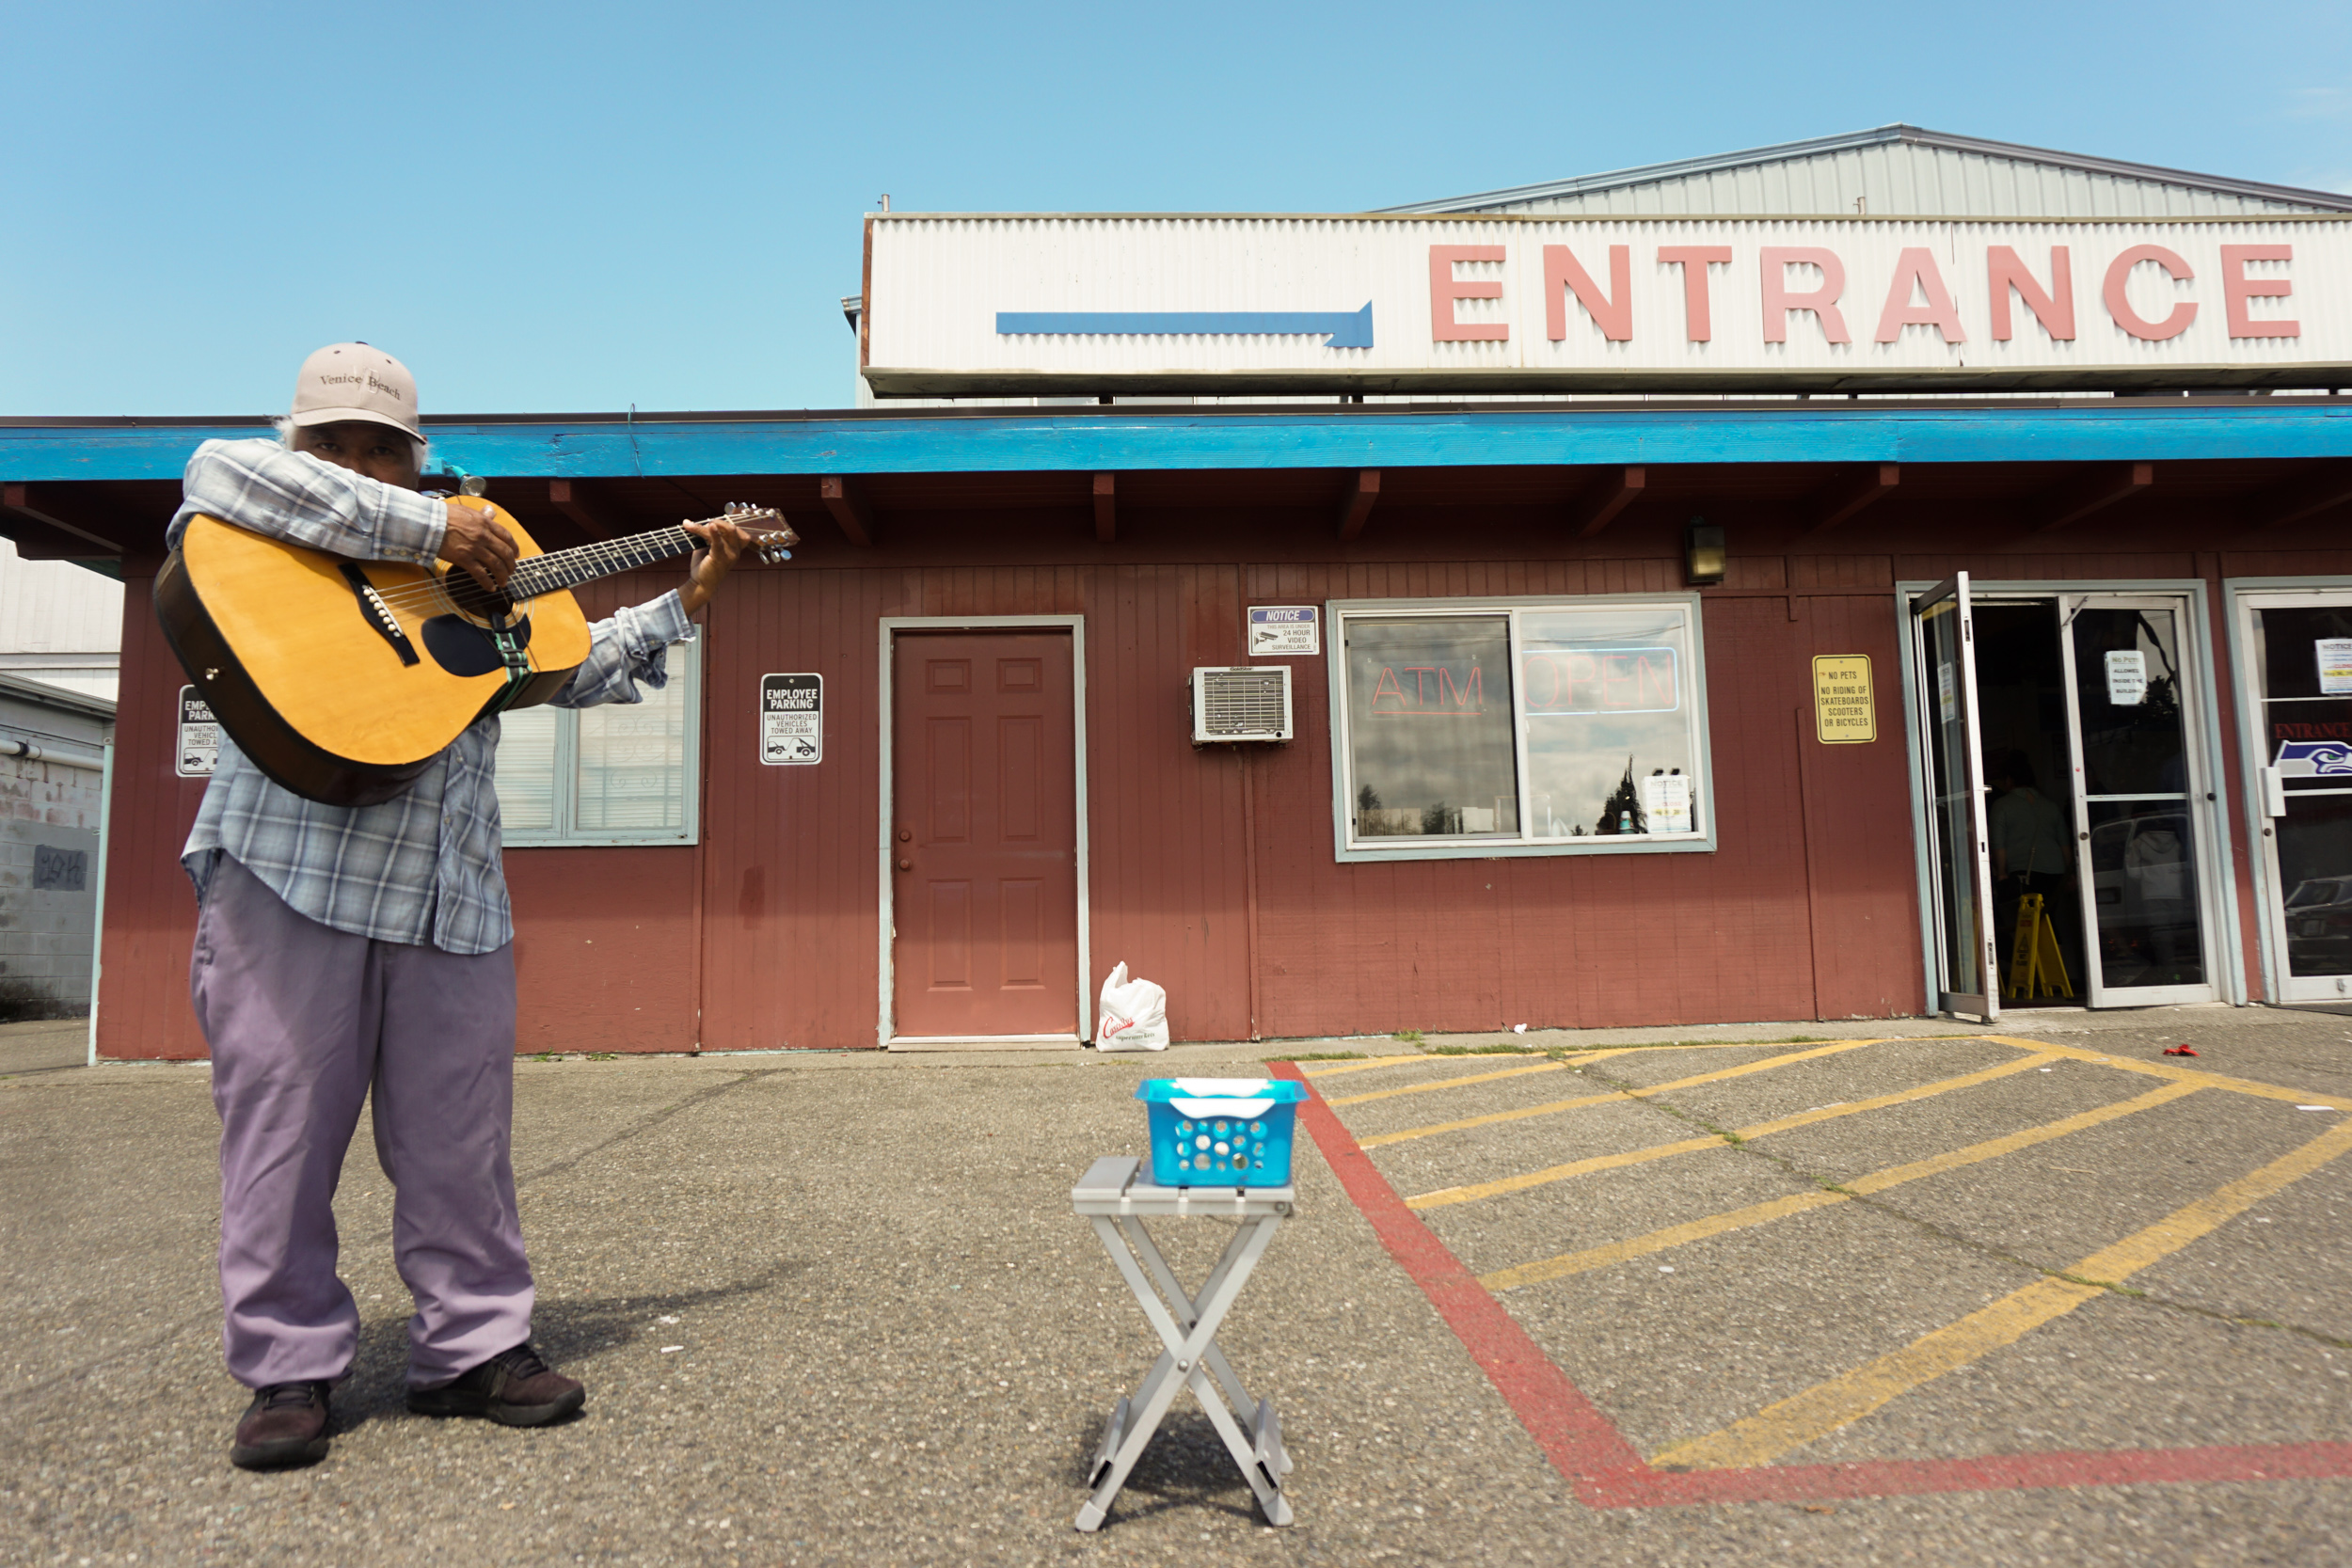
column 1135, row 1015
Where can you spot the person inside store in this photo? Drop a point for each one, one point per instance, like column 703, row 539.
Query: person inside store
column 2027, row 831
column 363, row 955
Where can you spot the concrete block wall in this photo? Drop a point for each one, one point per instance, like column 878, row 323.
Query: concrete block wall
column 49, row 816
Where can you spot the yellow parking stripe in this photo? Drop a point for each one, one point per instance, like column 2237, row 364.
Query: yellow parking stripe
column 1691, row 1146
column 1862, row 1186
column 1472, row 1078
column 2181, row 1074
column 1492, row 1118
column 1819, row 1411
column 1329, row 1069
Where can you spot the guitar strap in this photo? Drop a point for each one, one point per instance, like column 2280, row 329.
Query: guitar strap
column 518, row 669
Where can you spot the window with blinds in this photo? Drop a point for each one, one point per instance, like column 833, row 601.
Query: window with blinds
column 621, row 773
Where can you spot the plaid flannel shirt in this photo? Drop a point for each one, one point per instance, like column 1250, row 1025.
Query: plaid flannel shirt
column 424, row 865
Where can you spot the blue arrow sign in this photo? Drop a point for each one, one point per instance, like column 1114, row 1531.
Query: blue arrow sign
column 1347, row 328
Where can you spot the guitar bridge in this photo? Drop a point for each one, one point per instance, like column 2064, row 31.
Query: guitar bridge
column 378, row 614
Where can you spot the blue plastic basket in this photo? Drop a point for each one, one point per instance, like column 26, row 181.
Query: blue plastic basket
column 1221, row 1132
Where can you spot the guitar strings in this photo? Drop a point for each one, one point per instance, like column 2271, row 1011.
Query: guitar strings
column 566, row 567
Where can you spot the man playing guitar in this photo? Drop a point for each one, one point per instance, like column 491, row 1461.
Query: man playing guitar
column 345, row 953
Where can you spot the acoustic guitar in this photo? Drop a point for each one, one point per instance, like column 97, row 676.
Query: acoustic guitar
column 343, row 679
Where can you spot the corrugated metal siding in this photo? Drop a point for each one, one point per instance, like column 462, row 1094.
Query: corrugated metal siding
column 1906, row 178
column 53, row 607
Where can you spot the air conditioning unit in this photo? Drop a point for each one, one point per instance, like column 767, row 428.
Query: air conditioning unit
column 1251, row 703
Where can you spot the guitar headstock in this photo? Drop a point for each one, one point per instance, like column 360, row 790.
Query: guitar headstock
column 771, row 545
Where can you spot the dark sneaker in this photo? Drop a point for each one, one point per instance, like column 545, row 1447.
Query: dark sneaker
column 514, row 1388
column 286, row 1424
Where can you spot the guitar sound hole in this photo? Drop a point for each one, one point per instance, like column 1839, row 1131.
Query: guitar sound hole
column 473, row 599
column 462, row 648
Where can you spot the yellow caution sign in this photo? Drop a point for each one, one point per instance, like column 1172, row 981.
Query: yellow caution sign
column 1844, row 709
column 2036, row 967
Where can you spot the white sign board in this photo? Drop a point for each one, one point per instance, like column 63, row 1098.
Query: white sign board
column 1284, row 630
column 792, row 720
column 2127, row 677
column 968, row 304
column 199, row 752
column 2335, row 665
column 1667, row 801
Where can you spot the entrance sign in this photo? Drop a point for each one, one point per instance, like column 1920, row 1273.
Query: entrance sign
column 2127, row 677
column 1284, row 630
column 197, row 754
column 792, row 720
column 1046, row 302
column 1844, row 710
column 2335, row 665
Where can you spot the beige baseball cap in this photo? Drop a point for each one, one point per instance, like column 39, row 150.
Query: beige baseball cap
column 352, row 381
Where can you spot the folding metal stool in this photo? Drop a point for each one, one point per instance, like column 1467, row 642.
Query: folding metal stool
column 1116, row 1196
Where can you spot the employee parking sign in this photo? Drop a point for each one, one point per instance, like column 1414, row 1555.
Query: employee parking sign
column 792, row 720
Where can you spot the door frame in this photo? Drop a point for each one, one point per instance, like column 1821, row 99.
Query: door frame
column 2253, row 756
column 1962, row 592
column 2217, row 861
column 886, row 925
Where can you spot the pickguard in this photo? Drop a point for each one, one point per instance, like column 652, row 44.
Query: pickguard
column 462, row 648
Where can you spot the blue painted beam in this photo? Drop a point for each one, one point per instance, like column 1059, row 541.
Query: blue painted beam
column 1114, row 440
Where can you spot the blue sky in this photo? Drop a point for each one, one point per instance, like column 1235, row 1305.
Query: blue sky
column 585, row 206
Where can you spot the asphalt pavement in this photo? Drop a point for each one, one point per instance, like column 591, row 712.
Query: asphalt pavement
column 835, row 1309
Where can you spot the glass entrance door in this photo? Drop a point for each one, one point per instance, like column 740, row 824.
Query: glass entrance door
column 2139, row 793
column 1968, row 976
column 2298, row 702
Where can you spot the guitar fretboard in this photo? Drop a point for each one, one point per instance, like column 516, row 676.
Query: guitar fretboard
column 544, row 574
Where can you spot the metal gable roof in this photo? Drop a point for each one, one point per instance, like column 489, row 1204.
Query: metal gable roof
column 1899, row 169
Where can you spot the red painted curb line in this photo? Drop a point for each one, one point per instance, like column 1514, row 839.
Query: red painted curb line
column 1581, row 1443
column 1587, row 1449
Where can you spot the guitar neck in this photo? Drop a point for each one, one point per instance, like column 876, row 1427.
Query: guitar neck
column 545, row 573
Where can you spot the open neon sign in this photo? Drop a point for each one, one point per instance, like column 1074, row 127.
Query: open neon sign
column 1580, row 681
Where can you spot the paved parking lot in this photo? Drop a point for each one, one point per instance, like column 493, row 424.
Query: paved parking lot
column 2033, row 1295
column 1977, row 1224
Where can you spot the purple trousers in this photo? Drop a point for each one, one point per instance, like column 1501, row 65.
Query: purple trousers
column 303, row 1020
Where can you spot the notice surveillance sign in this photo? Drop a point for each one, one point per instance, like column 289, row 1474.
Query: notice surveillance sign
column 1284, row 630
column 792, row 720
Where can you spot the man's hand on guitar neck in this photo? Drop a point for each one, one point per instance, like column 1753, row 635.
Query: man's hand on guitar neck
column 722, row 543
column 477, row 542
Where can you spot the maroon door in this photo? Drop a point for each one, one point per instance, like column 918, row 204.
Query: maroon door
column 984, row 837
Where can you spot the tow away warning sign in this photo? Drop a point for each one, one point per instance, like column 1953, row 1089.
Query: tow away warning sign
column 199, row 753
column 792, row 720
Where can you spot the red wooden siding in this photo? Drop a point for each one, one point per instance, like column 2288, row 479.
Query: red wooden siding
column 1212, row 869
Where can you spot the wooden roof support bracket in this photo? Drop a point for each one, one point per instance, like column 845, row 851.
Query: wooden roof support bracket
column 1356, row 506
column 2297, row 498
column 2096, row 491
column 846, row 503
column 1848, row 496
column 1106, row 508
column 26, row 501
column 565, row 498
column 1600, row 502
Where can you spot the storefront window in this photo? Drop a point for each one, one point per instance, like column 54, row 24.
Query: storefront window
column 1429, row 711
column 1519, row 726
column 621, row 773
